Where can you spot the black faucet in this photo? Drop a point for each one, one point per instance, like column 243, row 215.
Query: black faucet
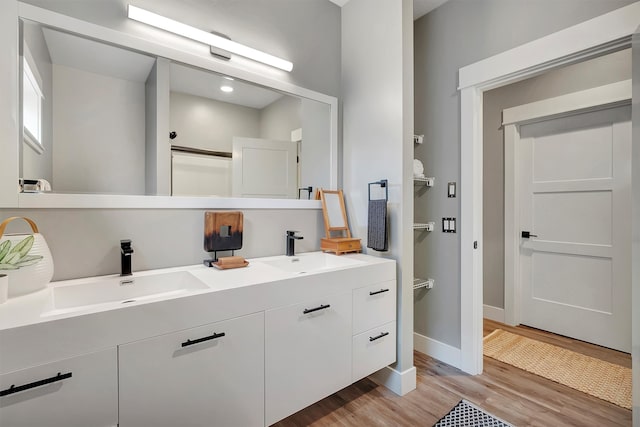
column 291, row 238
column 125, row 257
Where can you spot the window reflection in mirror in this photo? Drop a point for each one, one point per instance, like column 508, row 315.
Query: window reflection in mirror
column 105, row 110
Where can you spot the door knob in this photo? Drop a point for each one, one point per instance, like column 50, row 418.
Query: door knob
column 527, row 234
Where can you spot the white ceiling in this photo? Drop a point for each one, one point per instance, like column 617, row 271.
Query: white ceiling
column 194, row 81
column 420, row 7
column 99, row 58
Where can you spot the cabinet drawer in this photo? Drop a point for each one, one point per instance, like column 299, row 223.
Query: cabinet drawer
column 204, row 376
column 373, row 306
column 373, row 350
column 86, row 398
column 308, row 353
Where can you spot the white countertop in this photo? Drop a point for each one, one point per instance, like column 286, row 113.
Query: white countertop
column 31, row 334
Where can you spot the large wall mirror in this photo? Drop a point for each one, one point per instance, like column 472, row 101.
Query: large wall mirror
column 102, row 118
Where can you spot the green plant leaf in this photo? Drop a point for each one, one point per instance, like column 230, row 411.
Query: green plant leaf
column 29, row 258
column 24, row 246
column 11, row 258
column 8, row 267
column 4, row 249
column 23, row 263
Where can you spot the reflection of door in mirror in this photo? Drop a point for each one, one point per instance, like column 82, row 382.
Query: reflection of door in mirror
column 264, row 168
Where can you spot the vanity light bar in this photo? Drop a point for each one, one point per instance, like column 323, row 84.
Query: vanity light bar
column 196, row 34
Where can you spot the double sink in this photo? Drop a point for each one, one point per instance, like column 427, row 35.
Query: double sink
column 112, row 291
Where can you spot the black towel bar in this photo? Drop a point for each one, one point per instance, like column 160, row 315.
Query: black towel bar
column 382, row 183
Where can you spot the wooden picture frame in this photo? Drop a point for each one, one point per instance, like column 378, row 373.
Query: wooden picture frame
column 335, row 222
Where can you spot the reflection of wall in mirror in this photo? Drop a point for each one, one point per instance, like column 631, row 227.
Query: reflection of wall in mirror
column 98, row 153
column 36, row 165
column 209, row 124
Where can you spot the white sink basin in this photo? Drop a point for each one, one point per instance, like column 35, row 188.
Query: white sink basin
column 310, row 262
column 123, row 290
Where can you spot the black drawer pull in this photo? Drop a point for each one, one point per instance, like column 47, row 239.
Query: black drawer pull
column 14, row 389
column 203, row 339
column 377, row 337
column 379, row 292
column 311, row 310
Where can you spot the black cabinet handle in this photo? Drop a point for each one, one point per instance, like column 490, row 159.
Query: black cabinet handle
column 527, row 234
column 377, row 337
column 311, row 310
column 203, row 339
column 379, row 292
column 14, row 389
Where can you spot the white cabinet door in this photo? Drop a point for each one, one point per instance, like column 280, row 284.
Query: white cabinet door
column 373, row 350
column 211, row 375
column 76, row 392
column 373, row 306
column 307, row 353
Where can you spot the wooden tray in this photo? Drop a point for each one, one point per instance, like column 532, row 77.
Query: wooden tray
column 229, row 266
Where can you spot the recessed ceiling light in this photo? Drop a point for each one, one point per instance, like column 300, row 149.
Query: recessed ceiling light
column 226, row 88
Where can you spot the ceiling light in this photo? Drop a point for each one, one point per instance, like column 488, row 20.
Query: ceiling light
column 210, row 39
column 226, row 88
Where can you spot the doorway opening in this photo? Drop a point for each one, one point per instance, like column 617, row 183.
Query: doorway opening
column 572, row 154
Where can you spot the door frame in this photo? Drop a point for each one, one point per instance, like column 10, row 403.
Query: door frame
column 598, row 98
column 596, row 37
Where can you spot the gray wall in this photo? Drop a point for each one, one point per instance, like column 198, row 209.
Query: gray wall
column 84, row 241
column 315, row 152
column 36, row 165
column 209, row 124
column 635, row 229
column 279, row 118
column 456, row 34
column 87, row 242
column 377, row 84
column 98, row 133
column 596, row 72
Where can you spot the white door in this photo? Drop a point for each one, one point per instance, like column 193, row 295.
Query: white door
column 264, row 168
column 575, row 198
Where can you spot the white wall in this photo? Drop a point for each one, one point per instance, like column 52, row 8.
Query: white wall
column 589, row 74
column 456, row 34
column 209, row 124
column 279, row 118
column 98, row 128
column 377, row 85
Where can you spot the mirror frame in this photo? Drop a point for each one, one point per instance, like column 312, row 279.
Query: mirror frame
column 10, row 198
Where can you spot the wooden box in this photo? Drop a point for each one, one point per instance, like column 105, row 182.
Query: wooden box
column 340, row 245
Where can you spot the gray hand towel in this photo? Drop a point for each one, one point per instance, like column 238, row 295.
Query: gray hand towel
column 377, row 226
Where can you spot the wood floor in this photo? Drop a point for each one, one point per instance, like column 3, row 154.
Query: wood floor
column 516, row 396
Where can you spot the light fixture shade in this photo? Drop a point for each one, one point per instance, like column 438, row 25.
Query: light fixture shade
column 201, row 36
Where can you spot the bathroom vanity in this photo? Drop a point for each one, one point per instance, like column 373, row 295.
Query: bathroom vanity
column 242, row 347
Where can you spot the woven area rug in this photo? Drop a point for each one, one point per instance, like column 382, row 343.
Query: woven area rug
column 596, row 377
column 466, row 414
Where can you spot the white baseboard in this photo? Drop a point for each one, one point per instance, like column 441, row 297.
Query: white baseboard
column 438, row 350
column 493, row 313
column 398, row 382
